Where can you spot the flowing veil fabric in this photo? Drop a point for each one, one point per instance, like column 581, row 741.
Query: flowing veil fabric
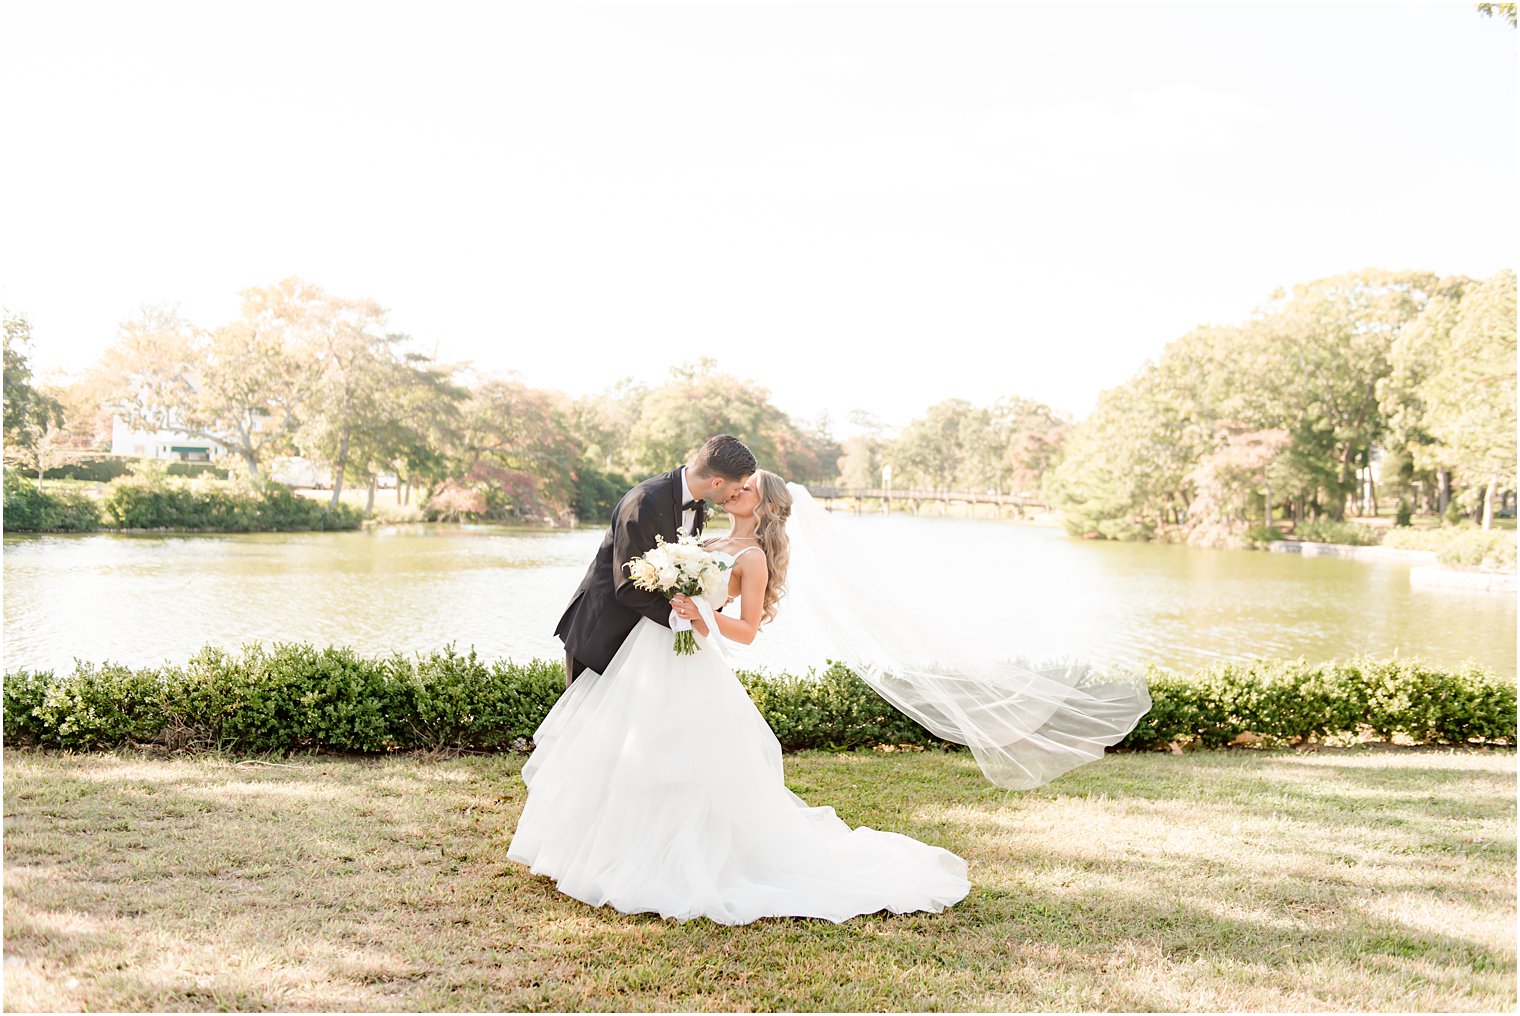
column 1026, row 723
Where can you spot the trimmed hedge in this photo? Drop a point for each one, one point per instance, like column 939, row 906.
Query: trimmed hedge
column 295, row 697
column 1291, row 701
column 104, row 468
column 288, row 697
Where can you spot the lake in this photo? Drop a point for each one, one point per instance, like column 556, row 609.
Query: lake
column 142, row 599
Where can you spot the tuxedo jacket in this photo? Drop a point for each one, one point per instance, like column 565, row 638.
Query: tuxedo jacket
column 607, row 605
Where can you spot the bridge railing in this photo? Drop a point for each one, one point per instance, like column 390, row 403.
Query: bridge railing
column 826, row 493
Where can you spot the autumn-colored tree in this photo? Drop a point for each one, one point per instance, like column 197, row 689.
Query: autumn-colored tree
column 1226, row 480
column 518, row 431
column 245, row 385
column 356, row 371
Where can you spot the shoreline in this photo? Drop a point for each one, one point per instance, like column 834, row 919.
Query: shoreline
column 1350, row 550
column 1427, row 573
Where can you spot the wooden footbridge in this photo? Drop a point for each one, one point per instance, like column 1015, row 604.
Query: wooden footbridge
column 917, row 501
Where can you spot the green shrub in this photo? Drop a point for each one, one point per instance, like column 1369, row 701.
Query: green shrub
column 294, row 697
column 1287, row 701
column 284, row 509
column 834, row 710
column 1264, row 534
column 1331, row 531
column 30, row 510
column 25, row 692
column 1488, row 550
column 98, row 705
column 459, row 701
column 155, row 502
column 1179, row 712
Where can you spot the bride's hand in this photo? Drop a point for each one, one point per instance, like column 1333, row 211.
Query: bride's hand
column 684, row 607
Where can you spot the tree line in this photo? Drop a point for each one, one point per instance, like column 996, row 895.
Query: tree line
column 1333, row 395
column 302, row 372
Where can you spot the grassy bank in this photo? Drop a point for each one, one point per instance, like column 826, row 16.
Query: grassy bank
column 1337, row 879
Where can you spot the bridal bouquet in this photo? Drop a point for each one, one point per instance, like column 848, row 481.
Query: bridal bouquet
column 681, row 567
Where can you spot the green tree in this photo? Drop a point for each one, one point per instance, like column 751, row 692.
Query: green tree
column 1124, row 472
column 424, row 421
column 700, row 401
column 603, row 422
column 1331, row 341
column 1412, row 453
column 934, row 449
column 31, row 414
column 1470, row 395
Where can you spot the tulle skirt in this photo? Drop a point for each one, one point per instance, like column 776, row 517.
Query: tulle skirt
column 657, row 787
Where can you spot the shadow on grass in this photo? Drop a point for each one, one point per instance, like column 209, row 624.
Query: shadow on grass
column 350, row 884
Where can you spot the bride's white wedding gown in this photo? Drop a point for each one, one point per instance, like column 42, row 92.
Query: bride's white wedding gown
column 657, row 787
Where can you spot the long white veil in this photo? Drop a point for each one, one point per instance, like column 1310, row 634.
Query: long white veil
column 1026, row 723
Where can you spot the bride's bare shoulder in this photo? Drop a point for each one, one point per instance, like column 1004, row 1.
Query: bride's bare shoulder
column 756, row 555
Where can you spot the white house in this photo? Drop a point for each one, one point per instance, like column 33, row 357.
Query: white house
column 162, row 444
column 177, row 446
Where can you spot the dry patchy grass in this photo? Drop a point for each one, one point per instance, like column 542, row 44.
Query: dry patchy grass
column 1221, row 881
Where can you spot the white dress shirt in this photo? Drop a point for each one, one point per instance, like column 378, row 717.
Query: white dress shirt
column 688, row 515
column 688, row 519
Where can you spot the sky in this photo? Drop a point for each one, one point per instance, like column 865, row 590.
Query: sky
column 855, row 206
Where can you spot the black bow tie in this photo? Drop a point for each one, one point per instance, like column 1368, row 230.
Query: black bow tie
column 691, row 506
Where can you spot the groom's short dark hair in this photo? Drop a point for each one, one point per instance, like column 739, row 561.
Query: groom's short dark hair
column 725, row 456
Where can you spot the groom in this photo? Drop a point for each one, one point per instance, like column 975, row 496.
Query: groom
column 607, row 605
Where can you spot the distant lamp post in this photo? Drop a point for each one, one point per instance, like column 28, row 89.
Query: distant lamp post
column 886, row 482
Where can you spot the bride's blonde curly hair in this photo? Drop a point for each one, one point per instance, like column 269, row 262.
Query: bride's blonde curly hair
column 771, row 513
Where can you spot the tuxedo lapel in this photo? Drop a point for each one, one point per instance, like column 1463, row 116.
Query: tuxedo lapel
column 700, row 520
column 676, row 502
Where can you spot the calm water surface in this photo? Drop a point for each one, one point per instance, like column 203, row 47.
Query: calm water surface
column 142, row 599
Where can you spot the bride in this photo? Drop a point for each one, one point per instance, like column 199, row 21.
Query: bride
column 657, row 786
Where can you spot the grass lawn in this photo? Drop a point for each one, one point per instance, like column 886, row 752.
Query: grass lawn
column 1342, row 879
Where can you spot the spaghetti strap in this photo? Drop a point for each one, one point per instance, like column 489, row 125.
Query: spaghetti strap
column 746, row 550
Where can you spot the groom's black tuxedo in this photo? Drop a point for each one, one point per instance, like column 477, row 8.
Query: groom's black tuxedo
column 607, row 605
